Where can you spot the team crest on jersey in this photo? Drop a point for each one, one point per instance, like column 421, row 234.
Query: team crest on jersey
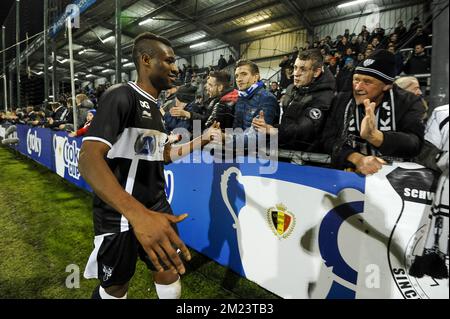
column 281, row 221
column 107, row 272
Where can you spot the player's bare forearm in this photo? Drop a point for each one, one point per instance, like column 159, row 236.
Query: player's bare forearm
column 98, row 175
column 173, row 153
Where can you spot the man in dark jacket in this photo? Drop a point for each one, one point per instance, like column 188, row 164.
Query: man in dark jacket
column 222, row 63
column 60, row 116
column 376, row 120
column 419, row 63
column 220, row 106
column 305, row 105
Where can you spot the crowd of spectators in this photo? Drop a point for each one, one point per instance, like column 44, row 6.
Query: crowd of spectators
column 342, row 54
column 309, row 109
column 58, row 115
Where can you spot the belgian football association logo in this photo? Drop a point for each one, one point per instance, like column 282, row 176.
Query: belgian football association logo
column 281, row 221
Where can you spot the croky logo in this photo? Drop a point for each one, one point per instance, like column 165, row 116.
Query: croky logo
column 281, row 221
column 66, row 156
column 34, row 143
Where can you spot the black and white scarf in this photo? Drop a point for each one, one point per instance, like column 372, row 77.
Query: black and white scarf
column 354, row 115
column 432, row 262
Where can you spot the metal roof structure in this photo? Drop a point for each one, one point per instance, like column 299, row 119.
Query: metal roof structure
column 192, row 26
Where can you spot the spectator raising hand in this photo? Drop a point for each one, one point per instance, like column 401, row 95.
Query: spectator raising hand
column 261, row 126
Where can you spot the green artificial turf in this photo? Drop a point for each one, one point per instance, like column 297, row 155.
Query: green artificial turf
column 46, row 226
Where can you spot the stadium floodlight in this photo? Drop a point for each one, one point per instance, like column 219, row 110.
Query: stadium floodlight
column 39, row 73
column 146, row 21
column 129, row 64
column 107, row 71
column 90, row 76
column 351, row 3
column 82, row 51
column 63, row 61
column 124, row 60
column 260, row 27
column 197, row 45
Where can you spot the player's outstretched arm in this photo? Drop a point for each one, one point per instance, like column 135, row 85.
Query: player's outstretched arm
column 152, row 229
column 173, row 153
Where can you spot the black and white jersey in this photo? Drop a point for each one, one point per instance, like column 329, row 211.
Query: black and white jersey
column 130, row 123
column 437, row 128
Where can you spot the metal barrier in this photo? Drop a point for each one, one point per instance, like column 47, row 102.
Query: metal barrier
column 299, row 157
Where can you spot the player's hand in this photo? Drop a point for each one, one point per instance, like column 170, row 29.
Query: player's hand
column 159, row 240
column 367, row 165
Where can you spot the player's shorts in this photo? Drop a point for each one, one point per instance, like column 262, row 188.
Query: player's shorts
column 113, row 260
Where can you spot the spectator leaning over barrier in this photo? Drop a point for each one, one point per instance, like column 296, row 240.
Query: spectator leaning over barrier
column 221, row 103
column 179, row 116
column 305, row 105
column 377, row 119
column 59, row 115
column 252, row 97
column 82, row 131
column 84, row 104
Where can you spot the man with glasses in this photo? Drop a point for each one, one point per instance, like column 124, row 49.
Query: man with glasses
column 305, row 105
column 374, row 122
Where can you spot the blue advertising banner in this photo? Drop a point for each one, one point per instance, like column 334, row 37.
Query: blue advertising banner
column 300, row 232
column 220, row 201
column 36, row 144
column 66, row 153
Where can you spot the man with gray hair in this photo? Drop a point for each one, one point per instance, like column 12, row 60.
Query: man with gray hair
column 410, row 84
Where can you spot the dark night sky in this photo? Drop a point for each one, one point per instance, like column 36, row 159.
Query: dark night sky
column 5, row 6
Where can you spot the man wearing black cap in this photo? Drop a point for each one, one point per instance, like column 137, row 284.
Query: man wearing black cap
column 374, row 122
column 180, row 115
